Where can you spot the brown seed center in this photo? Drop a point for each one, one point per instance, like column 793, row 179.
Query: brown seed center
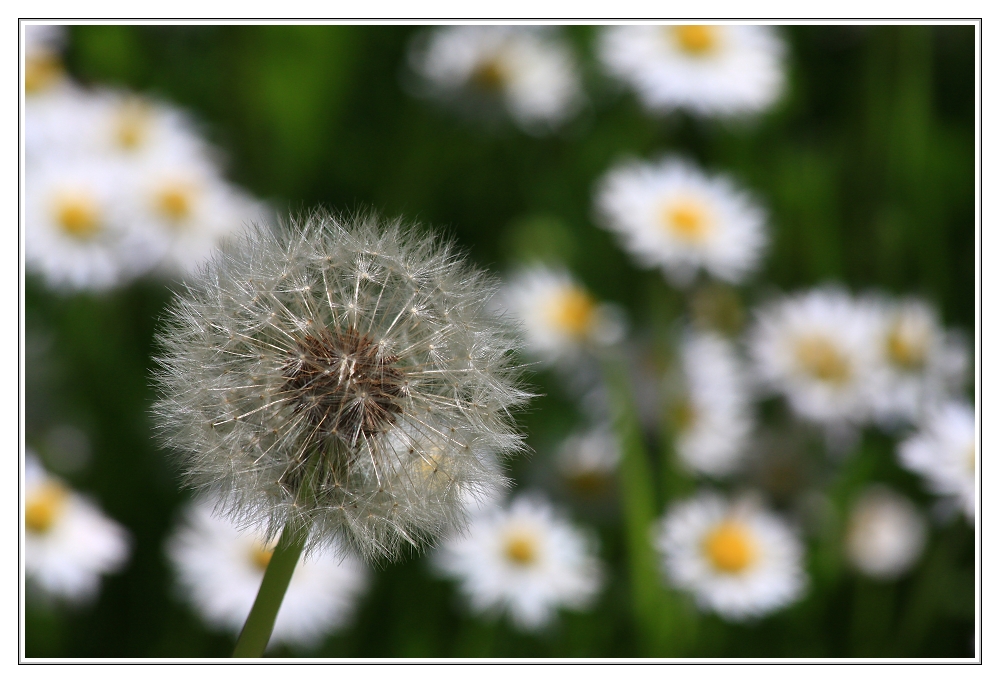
column 345, row 384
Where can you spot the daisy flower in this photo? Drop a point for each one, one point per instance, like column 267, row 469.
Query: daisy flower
column 711, row 417
column 77, row 234
column 219, row 570
column 68, row 542
column 43, row 69
column 719, row 70
column 921, row 364
column 561, row 319
column 525, row 560
column 735, row 558
column 671, row 215
column 818, row 349
column 943, row 452
column 527, row 71
column 341, row 376
column 588, row 460
column 885, row 533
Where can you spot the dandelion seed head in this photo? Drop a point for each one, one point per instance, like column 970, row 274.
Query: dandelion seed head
column 344, row 374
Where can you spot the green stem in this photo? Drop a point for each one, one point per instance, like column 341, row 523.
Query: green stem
column 259, row 624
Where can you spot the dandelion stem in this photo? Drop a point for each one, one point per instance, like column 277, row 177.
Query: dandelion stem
column 259, row 624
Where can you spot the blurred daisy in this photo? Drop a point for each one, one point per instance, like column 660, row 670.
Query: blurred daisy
column 524, row 560
column 561, row 319
column 818, row 349
column 921, row 364
column 735, row 558
column 220, row 569
column 943, row 452
column 671, row 215
column 182, row 201
column 588, row 461
column 43, row 69
column 711, row 416
column 77, row 234
column 68, row 542
column 885, row 533
column 719, row 70
column 527, row 71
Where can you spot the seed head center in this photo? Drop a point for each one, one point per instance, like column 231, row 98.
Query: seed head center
column 348, row 387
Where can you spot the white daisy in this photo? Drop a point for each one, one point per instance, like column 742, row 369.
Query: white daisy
column 561, row 318
column 671, row 215
column 43, row 69
column 711, row 416
column 885, row 533
column 719, row 70
column 525, row 70
column 588, row 460
column 921, row 364
column 735, row 558
column 220, row 569
column 68, row 542
column 943, row 452
column 58, row 124
column 77, row 234
column 525, row 560
column 182, row 201
column 818, row 349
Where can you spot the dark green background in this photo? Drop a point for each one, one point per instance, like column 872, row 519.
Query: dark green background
column 866, row 167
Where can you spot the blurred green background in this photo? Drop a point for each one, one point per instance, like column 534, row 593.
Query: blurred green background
column 866, row 167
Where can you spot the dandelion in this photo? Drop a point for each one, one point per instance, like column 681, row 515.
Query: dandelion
column 818, row 349
column 735, row 558
column 719, row 70
column 219, row 570
column 525, row 71
column 710, row 417
column 943, row 452
column 671, row 215
column 920, row 363
column 562, row 320
column 68, row 542
column 885, row 533
column 588, row 460
column 525, row 560
column 341, row 376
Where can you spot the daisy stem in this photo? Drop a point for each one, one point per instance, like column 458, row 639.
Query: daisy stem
column 259, row 624
column 650, row 602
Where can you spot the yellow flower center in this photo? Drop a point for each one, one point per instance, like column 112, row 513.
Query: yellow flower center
column 730, row 547
column 77, row 214
column 175, row 201
column 132, row 125
column 970, row 458
column 821, row 359
column 572, row 311
column 43, row 507
column 683, row 415
column 687, row 221
column 489, row 75
column 521, row 548
column 261, row 556
column 40, row 72
column 906, row 348
column 697, row 41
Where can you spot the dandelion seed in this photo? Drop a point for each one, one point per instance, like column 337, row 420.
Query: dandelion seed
column 719, row 70
column 68, row 542
column 885, row 533
column 735, row 558
column 524, row 560
column 342, row 375
column 220, row 570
